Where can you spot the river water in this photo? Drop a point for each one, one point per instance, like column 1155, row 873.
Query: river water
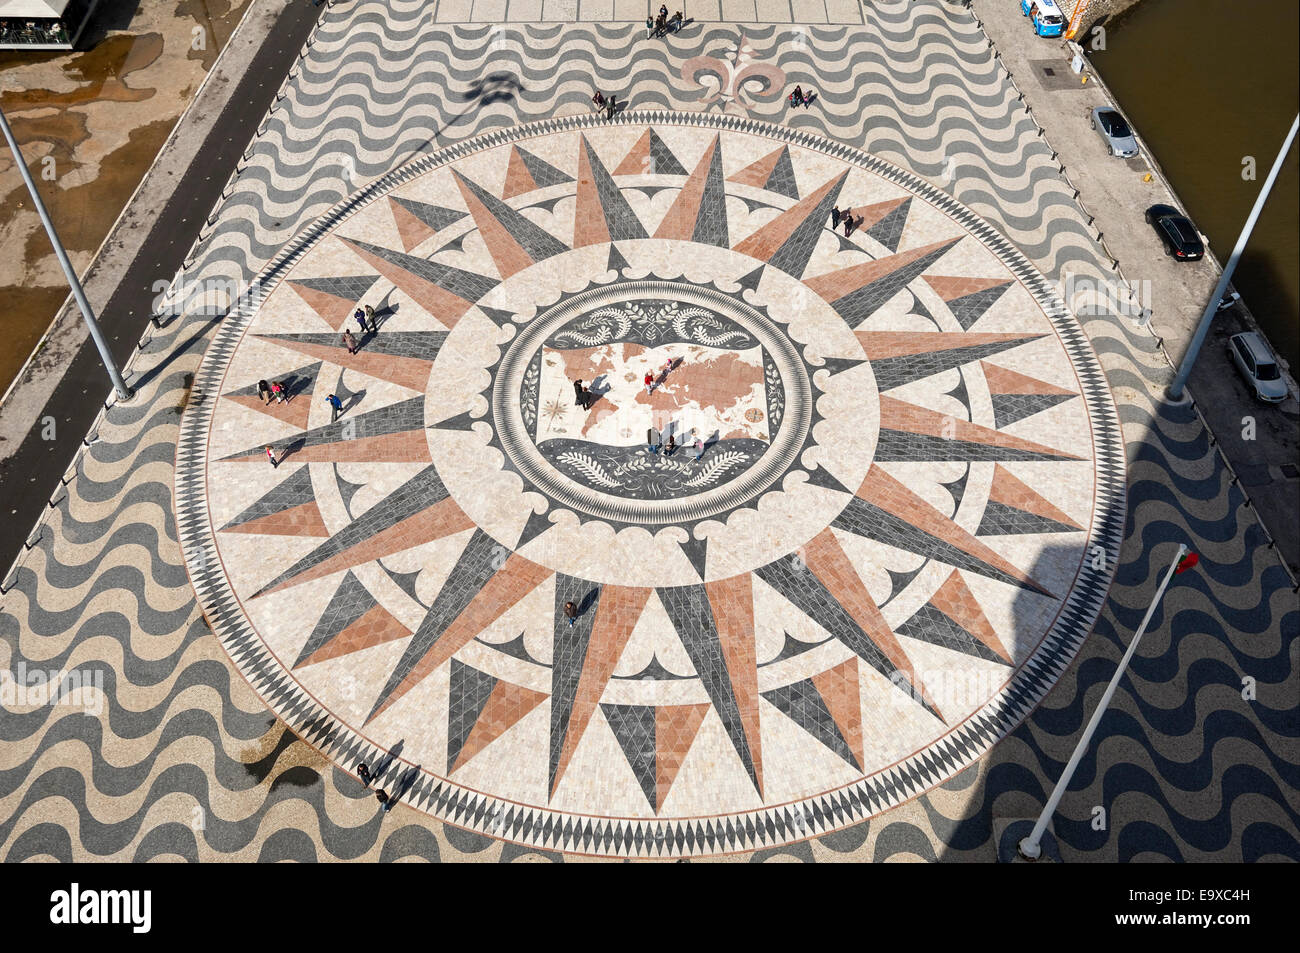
column 1207, row 83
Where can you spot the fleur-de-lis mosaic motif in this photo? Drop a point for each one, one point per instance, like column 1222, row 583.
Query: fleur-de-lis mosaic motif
column 736, row 81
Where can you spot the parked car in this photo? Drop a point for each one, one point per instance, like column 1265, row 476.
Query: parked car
column 1114, row 132
column 1045, row 16
column 1256, row 363
column 1181, row 240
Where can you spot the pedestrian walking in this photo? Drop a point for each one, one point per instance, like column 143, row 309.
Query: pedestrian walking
column 349, row 342
column 796, row 98
column 610, row 107
column 849, row 224
column 384, row 800
column 652, row 440
column 649, row 382
column 649, row 27
column 360, row 315
column 676, row 22
column 278, row 392
column 370, row 317
column 661, row 22
column 336, row 406
column 363, row 772
column 599, row 100
column 264, row 391
column 835, row 217
column 571, row 613
column 699, row 449
column 663, row 11
column 669, row 446
column 580, row 394
column 270, row 455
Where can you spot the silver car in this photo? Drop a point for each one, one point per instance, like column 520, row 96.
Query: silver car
column 1255, row 362
column 1114, row 131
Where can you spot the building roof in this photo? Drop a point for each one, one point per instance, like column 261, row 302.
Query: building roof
column 32, row 8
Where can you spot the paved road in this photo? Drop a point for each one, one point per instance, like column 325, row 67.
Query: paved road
column 30, row 477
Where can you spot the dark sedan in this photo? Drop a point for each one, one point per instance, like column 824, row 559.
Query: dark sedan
column 1182, row 243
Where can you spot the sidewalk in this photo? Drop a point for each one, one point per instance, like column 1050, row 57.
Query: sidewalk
column 1262, row 454
column 65, row 381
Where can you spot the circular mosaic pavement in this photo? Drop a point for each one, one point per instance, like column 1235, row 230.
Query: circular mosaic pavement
column 834, row 510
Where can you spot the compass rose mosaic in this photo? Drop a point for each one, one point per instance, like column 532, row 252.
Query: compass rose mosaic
column 833, row 511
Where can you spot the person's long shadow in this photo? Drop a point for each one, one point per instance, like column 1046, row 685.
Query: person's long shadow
column 354, row 399
column 386, row 762
column 496, row 87
column 404, row 783
column 588, row 601
column 291, row 448
column 176, row 351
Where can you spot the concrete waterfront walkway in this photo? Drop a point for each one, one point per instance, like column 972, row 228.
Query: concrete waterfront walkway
column 149, row 245
column 1260, row 441
column 104, row 590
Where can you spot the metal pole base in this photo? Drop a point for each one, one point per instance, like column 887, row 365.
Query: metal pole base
column 1029, row 851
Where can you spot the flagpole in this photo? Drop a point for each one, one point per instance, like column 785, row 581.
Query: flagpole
column 1029, row 847
column 69, row 272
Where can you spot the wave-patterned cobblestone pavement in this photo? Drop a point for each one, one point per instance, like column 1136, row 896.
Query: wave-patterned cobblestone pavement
column 1198, row 759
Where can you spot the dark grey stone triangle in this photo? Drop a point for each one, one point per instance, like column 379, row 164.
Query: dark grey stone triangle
column 568, row 657
column 350, row 602
column 902, row 445
column 634, row 728
column 538, row 243
column 537, row 524
column 711, row 219
column 750, row 281
column 807, row 593
column 497, row 316
column 423, row 345
column 837, row 365
column 463, row 421
column 856, row 306
column 970, row 308
column 696, row 551
column 415, row 495
column 300, row 382
column 435, row 216
column 893, row 372
column 395, row 418
column 295, row 490
column 889, row 230
column 1002, row 520
column 470, row 690
column 468, row 285
column 1008, row 408
column 543, row 172
column 804, row 705
column 665, row 163
column 792, row 257
column 864, row 519
column 620, row 221
column 692, row 616
column 781, row 179
column 478, row 563
column 824, row 478
column 930, row 625
column 347, row 287
column 616, row 260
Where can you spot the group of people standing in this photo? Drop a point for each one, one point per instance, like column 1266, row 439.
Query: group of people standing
column 661, row 25
column 845, row 217
column 278, row 392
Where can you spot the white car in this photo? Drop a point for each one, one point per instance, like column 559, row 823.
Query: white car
column 1256, row 363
